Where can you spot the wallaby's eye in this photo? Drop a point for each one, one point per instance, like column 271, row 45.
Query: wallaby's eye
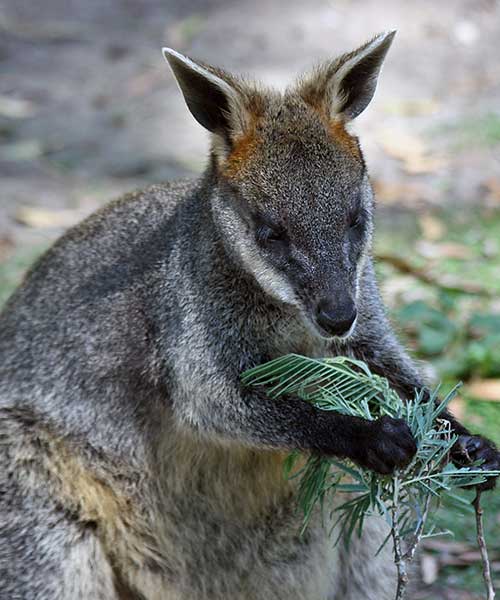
column 267, row 235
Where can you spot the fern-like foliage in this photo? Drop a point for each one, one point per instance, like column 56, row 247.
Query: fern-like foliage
column 347, row 386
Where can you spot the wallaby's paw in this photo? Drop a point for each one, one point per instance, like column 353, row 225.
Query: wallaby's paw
column 390, row 445
column 472, row 448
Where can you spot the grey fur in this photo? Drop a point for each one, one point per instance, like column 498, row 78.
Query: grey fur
column 133, row 463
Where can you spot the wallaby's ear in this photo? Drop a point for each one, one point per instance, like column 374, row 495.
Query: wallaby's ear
column 210, row 94
column 346, row 86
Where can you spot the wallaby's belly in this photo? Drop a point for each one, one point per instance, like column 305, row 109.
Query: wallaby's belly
column 228, row 527
column 213, row 558
column 219, row 559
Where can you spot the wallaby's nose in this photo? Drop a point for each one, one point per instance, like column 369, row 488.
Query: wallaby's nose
column 336, row 318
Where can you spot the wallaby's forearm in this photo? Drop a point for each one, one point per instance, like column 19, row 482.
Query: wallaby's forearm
column 290, row 423
column 287, row 422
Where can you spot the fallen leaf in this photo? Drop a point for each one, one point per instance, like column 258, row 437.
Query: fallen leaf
column 492, row 188
column 41, row 218
column 16, row 108
column 400, row 145
column 412, row 107
column 485, row 389
column 431, row 250
column 429, row 566
column 411, row 151
column 457, row 407
column 415, row 165
column 400, row 192
column 432, row 228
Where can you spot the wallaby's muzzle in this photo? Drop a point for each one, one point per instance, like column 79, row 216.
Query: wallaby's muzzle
column 336, row 317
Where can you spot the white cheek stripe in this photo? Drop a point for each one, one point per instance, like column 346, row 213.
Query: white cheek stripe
column 272, row 282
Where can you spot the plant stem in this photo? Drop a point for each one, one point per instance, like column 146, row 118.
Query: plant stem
column 410, row 552
column 490, row 591
column 399, row 558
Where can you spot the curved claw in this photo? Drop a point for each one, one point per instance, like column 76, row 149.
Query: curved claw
column 472, row 448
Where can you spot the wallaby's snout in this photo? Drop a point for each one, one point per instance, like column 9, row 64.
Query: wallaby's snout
column 336, row 316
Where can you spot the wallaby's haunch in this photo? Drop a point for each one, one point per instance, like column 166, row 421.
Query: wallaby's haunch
column 133, row 464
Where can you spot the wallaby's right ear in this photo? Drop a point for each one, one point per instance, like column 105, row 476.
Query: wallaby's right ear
column 211, row 96
column 344, row 87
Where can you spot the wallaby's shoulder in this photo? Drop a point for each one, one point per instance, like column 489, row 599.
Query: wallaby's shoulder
column 157, row 202
column 119, row 235
column 130, row 217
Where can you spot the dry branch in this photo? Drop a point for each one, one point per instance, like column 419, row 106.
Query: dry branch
column 444, row 283
column 490, row 591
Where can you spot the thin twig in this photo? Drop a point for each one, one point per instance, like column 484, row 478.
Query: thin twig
column 445, row 283
column 476, row 503
column 410, row 551
column 399, row 557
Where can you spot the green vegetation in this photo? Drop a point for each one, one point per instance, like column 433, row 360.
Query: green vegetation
column 459, row 336
column 481, row 130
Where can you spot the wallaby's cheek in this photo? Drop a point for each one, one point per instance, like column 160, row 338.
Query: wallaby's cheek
column 270, row 279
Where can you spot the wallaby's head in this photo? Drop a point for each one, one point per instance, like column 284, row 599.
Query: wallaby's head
column 293, row 203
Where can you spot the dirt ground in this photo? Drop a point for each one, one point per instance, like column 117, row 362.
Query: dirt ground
column 89, row 109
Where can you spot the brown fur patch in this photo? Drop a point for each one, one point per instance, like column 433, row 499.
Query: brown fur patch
column 340, row 135
column 91, row 497
column 244, row 149
column 233, row 156
column 314, row 94
column 91, row 490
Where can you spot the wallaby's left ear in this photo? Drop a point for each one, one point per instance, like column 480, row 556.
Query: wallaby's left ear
column 346, row 86
column 213, row 96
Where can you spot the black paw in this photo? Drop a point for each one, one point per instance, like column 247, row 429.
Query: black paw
column 389, row 445
column 472, row 448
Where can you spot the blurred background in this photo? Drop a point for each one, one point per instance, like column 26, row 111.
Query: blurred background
column 89, row 109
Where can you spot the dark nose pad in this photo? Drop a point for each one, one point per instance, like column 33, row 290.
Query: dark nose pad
column 334, row 317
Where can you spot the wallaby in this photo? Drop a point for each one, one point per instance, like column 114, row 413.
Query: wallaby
column 133, row 463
